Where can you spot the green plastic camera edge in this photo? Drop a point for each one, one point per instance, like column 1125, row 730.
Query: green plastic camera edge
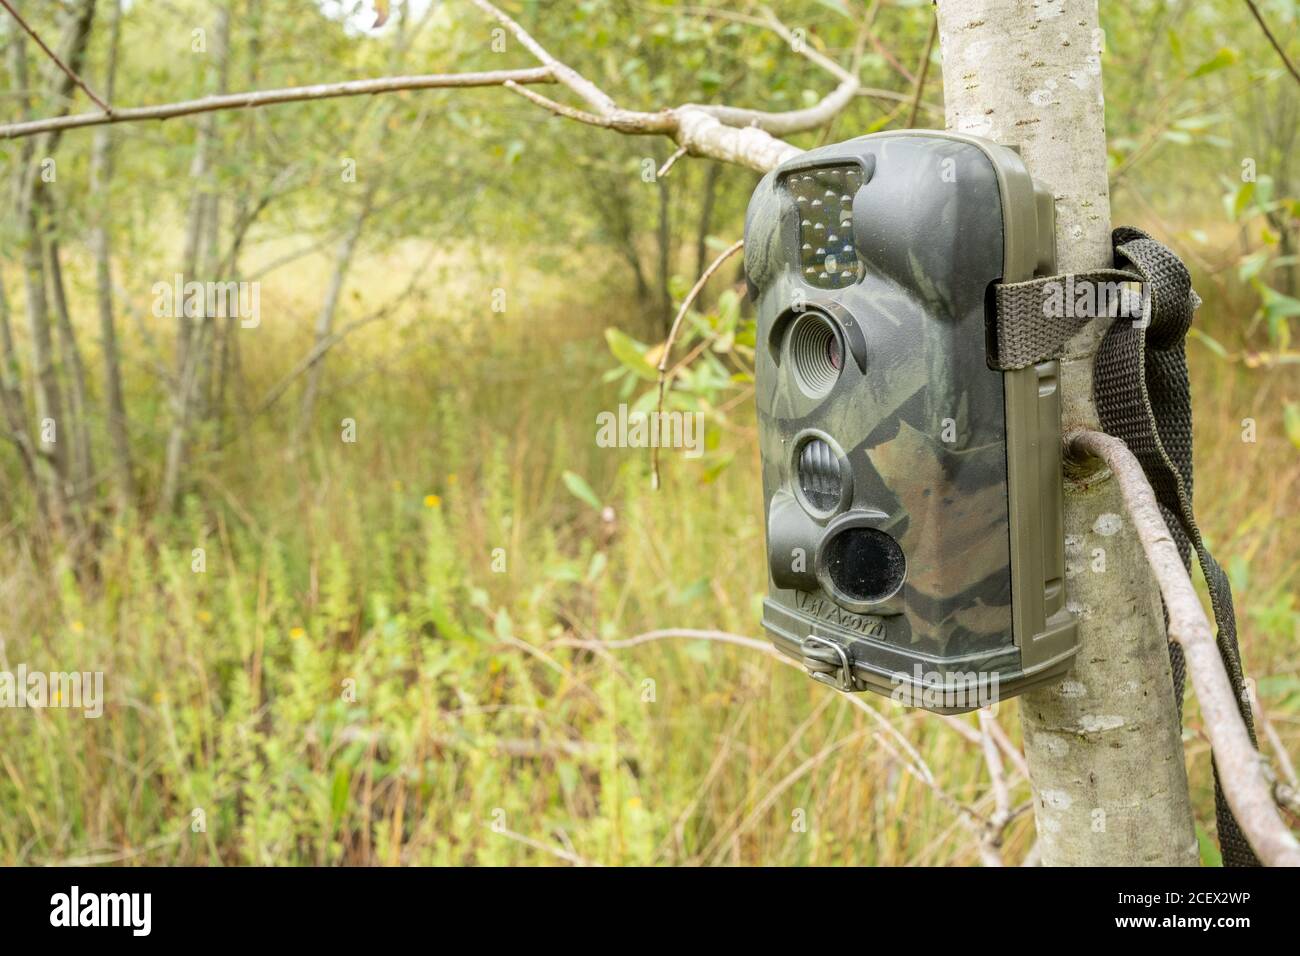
column 1045, row 631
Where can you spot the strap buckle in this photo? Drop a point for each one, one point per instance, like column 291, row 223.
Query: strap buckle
column 828, row 663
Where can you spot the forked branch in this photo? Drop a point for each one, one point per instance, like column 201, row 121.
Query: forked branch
column 740, row 136
column 70, row 73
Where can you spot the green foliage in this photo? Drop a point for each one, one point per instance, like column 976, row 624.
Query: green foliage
column 388, row 658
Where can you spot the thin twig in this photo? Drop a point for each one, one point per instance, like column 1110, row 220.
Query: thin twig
column 1287, row 797
column 292, row 94
column 559, row 109
column 991, row 837
column 694, row 128
column 925, row 69
column 1272, row 39
column 672, row 337
column 662, row 171
column 917, row 762
column 1241, row 767
column 720, row 637
column 58, row 61
column 554, row 851
column 595, row 97
column 1273, row 737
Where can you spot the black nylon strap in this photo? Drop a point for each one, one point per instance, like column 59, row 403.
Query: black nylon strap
column 1143, row 396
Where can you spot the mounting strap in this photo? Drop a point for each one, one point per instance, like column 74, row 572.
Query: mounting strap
column 1142, row 394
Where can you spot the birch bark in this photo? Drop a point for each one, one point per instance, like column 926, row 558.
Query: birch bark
column 1104, row 746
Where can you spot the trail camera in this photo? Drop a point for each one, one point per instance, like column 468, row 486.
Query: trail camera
column 913, row 492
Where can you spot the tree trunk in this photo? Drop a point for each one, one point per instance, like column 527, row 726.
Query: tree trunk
column 1104, row 745
column 329, row 308
column 194, row 335
column 82, row 463
column 229, row 364
column 101, row 174
column 664, row 238
column 14, row 408
column 706, row 218
column 50, row 460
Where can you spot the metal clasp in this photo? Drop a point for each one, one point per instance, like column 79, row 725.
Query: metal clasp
column 833, row 668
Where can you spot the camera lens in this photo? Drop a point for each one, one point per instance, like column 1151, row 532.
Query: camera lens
column 865, row 564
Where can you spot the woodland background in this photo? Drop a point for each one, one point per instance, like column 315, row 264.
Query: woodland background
column 489, row 280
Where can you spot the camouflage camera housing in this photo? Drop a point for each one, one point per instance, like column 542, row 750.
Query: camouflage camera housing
column 912, row 491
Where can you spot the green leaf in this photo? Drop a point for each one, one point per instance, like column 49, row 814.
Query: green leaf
column 1252, row 265
column 1210, row 855
column 691, row 592
column 567, row 572
column 1291, row 422
column 502, row 626
column 1196, row 124
column 1226, row 57
column 1238, row 573
column 699, row 651
column 1211, row 343
column 1175, row 44
column 838, row 6
column 717, row 465
column 1244, row 195
column 579, row 488
column 339, row 793
column 631, row 353
column 1278, row 304
column 728, row 309
column 446, row 624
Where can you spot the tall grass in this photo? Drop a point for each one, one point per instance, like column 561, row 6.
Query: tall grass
column 355, row 679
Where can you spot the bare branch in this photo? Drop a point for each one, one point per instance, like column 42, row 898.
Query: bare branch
column 670, row 162
column 691, row 634
column 792, row 121
column 1241, row 767
column 698, row 129
column 991, row 837
column 560, row 109
column 814, row 56
column 915, row 761
column 592, row 95
column 705, row 135
column 925, row 69
column 555, row 851
column 1287, row 797
column 1272, row 39
column 58, row 61
column 1274, row 739
column 292, row 94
